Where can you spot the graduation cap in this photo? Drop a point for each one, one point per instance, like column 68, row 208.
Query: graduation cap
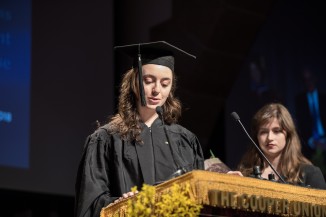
column 158, row 53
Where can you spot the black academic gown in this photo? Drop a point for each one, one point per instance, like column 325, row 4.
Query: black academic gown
column 313, row 177
column 111, row 166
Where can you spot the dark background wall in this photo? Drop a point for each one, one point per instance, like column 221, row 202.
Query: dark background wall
column 75, row 75
column 72, row 87
column 290, row 40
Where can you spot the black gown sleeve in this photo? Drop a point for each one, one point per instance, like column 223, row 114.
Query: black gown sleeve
column 199, row 157
column 189, row 149
column 92, row 182
column 313, row 177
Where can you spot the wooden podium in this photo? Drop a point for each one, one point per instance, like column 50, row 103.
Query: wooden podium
column 230, row 195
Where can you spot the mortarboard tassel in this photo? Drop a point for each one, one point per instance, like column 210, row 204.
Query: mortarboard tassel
column 140, row 79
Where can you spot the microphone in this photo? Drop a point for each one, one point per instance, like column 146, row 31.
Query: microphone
column 159, row 111
column 180, row 170
column 237, row 118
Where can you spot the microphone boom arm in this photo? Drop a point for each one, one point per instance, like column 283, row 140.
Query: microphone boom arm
column 261, row 153
column 180, row 169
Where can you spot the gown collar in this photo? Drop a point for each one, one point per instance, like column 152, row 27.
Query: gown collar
column 156, row 122
column 145, row 152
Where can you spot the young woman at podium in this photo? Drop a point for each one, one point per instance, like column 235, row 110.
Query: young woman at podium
column 142, row 143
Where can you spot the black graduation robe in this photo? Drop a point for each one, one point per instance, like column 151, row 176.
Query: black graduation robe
column 110, row 166
column 313, row 177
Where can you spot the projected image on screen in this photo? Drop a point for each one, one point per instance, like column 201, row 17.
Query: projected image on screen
column 15, row 43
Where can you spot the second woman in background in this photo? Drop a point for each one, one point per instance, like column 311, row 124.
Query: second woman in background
column 274, row 130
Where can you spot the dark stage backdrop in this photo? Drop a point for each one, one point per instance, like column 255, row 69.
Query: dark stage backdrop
column 291, row 41
column 56, row 80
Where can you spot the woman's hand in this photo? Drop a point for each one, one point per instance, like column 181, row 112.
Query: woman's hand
column 126, row 195
column 238, row 173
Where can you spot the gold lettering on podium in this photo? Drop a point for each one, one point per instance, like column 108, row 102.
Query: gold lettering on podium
column 262, row 204
column 225, row 199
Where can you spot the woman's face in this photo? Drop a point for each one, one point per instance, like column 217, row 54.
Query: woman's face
column 157, row 82
column 271, row 138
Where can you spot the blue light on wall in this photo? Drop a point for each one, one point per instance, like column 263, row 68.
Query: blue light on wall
column 15, row 77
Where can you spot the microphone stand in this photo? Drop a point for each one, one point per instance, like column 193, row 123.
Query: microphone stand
column 180, row 170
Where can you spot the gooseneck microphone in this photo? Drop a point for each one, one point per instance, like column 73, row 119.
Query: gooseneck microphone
column 180, row 169
column 237, row 118
column 159, row 111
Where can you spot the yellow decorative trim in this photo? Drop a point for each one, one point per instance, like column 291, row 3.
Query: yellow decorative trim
column 203, row 183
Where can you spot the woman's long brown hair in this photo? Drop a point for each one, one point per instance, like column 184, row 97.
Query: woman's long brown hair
column 292, row 156
column 127, row 121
